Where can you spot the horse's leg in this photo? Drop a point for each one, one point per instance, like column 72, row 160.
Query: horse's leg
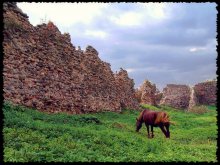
column 163, row 130
column 152, row 131
column 148, row 134
column 168, row 131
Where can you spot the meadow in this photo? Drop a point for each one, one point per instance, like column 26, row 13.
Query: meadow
column 33, row 136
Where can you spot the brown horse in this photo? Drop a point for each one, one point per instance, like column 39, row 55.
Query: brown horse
column 154, row 119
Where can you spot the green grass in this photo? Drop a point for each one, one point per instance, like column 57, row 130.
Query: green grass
column 146, row 106
column 33, row 136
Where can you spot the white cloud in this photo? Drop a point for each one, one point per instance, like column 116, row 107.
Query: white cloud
column 64, row 14
column 197, row 49
column 155, row 10
column 129, row 70
column 127, row 19
column 210, row 47
column 96, row 33
column 148, row 13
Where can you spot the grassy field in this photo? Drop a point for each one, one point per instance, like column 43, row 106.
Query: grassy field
column 32, row 136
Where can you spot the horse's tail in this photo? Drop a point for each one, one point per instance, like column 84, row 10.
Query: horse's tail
column 167, row 119
column 164, row 118
column 171, row 122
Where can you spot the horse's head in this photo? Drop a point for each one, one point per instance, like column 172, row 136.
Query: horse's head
column 138, row 124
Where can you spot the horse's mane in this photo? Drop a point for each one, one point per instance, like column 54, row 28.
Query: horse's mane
column 161, row 117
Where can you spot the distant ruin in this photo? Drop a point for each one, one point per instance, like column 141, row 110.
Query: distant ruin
column 205, row 92
column 43, row 70
column 177, row 96
column 148, row 94
column 185, row 97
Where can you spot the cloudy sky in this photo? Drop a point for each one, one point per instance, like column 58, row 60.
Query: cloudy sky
column 165, row 43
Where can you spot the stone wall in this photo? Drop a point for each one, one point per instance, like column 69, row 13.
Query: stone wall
column 193, row 99
column 125, row 90
column 205, row 92
column 158, row 96
column 138, row 94
column 43, row 70
column 185, row 97
column 148, row 94
column 177, row 96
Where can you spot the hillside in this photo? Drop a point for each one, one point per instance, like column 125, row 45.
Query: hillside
column 32, row 136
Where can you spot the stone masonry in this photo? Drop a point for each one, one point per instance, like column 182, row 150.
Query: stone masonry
column 125, row 88
column 205, row 92
column 177, row 96
column 185, row 97
column 43, row 70
column 147, row 93
column 158, row 96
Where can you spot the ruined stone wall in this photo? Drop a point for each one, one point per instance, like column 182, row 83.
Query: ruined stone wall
column 183, row 96
column 99, row 92
column 193, row 99
column 177, row 96
column 138, row 94
column 158, row 97
column 125, row 88
column 148, row 94
column 205, row 93
column 43, row 70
